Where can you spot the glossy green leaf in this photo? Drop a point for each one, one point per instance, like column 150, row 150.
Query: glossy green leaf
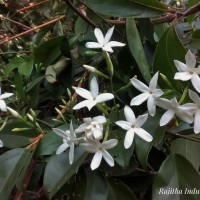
column 189, row 149
column 142, row 147
column 58, row 170
column 97, row 187
column 136, row 48
column 12, row 163
column 13, row 64
column 176, row 173
column 48, row 51
column 169, row 49
column 26, row 67
column 126, row 8
column 118, row 191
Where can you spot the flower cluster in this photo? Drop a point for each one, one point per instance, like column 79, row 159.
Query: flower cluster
column 96, row 140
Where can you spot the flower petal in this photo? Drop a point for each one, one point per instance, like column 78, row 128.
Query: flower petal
column 128, row 140
column 139, row 85
column 139, row 99
column 93, row 45
column 181, row 67
column 196, row 122
column 81, row 128
column 99, row 119
column 157, row 93
column 109, row 144
column 71, row 153
column 108, row 158
column 129, row 114
column 107, row 48
column 1, row 143
column 91, row 146
column 104, row 97
column 5, row 95
column 94, row 88
column 3, row 106
column 163, row 103
column 185, row 116
column 124, row 124
column 83, row 93
column 151, row 106
column 141, row 120
column 115, row 44
column 190, row 59
column 97, row 134
column 86, row 103
column 62, row 148
column 196, row 82
column 108, row 35
column 194, row 96
column 61, row 133
column 183, row 76
column 153, row 82
column 143, row 134
column 166, row 118
column 99, row 36
column 96, row 160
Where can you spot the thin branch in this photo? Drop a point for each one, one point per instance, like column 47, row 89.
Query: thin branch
column 32, row 29
column 70, row 4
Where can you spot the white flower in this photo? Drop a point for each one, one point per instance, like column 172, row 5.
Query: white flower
column 150, row 93
column 69, row 137
column 93, row 97
column 3, row 106
column 100, row 151
column 1, row 143
column 104, row 42
column 93, row 127
column 188, row 71
column 194, row 109
column 133, row 126
column 173, row 108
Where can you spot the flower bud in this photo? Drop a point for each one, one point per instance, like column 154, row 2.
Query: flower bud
column 13, row 112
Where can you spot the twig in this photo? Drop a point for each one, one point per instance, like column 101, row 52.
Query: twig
column 14, row 22
column 32, row 29
column 183, row 136
column 31, row 6
column 70, row 4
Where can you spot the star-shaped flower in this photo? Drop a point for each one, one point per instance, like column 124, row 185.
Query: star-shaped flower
column 100, row 151
column 150, row 93
column 188, row 71
column 104, row 42
column 173, row 108
column 92, row 97
column 3, row 106
column 93, row 127
column 133, row 126
column 1, row 143
column 194, row 109
column 69, row 137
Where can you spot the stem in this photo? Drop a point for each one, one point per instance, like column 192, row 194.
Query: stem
column 183, row 136
column 101, row 109
column 183, row 95
column 107, row 133
column 46, row 123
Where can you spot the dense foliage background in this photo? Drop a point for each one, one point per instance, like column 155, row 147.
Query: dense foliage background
column 42, row 52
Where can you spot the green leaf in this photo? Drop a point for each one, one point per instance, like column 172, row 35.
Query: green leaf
column 191, row 3
column 26, row 67
column 58, row 170
column 136, row 48
column 12, row 162
column 196, row 39
column 142, row 147
column 189, row 149
column 169, row 49
column 34, row 82
column 97, row 187
column 126, row 8
column 119, row 191
column 48, row 51
column 13, row 64
column 176, row 173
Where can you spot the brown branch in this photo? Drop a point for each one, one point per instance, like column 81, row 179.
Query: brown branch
column 31, row 6
column 15, row 22
column 80, row 14
column 169, row 17
column 32, row 29
column 74, row 95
